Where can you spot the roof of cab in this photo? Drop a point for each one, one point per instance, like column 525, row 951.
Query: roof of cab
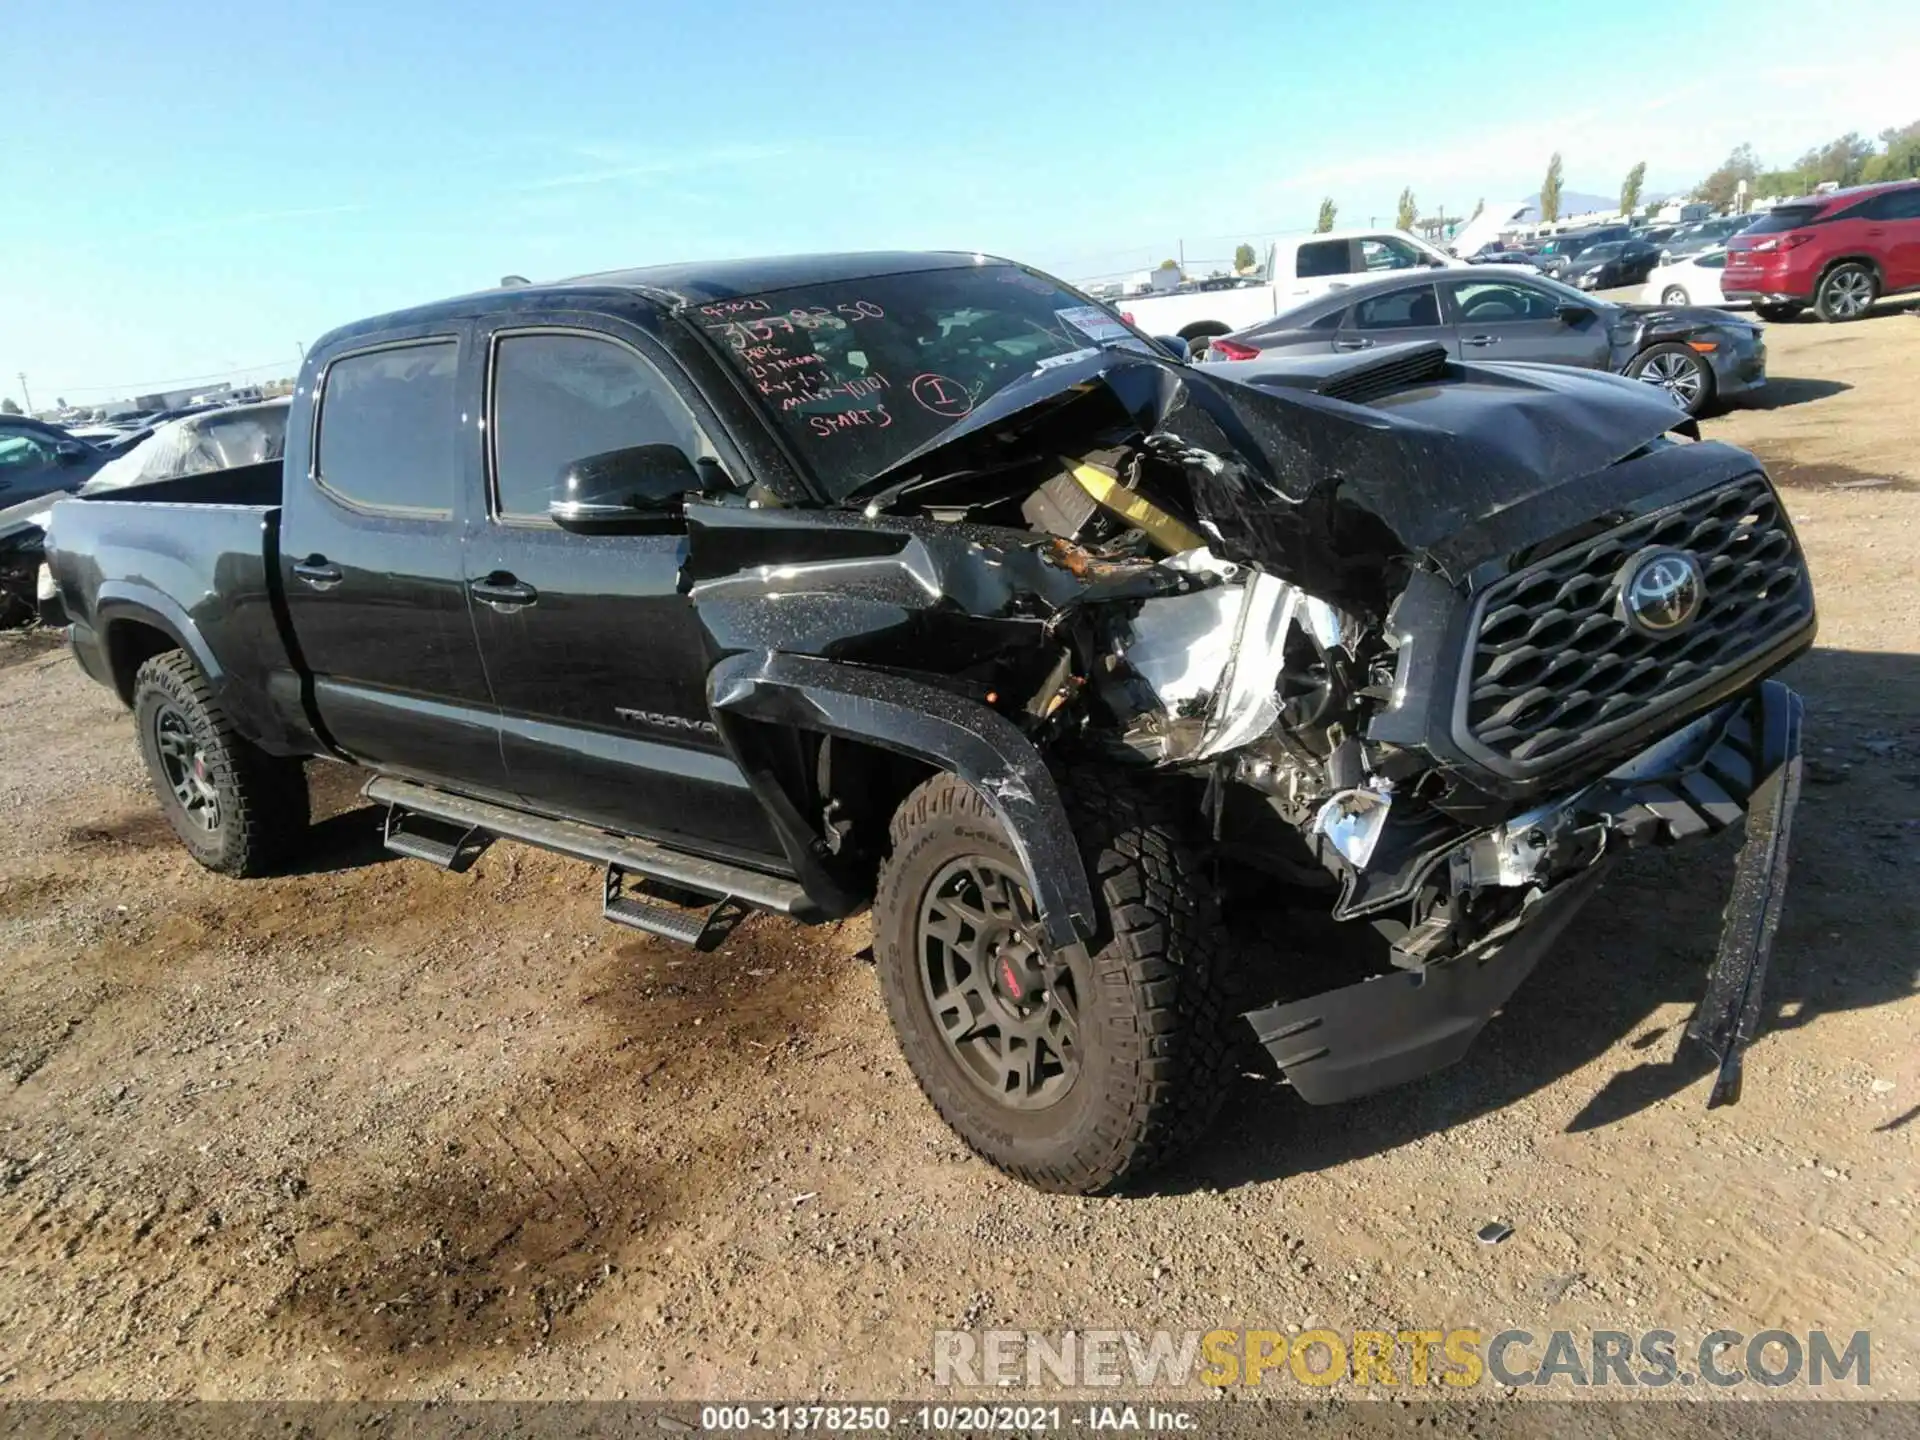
column 690, row 283
column 697, row 281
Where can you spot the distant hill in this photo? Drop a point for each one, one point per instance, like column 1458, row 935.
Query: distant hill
column 1572, row 202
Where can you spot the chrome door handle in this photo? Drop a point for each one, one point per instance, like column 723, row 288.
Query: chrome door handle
column 1480, row 340
column 318, row 572
column 1353, row 344
column 503, row 592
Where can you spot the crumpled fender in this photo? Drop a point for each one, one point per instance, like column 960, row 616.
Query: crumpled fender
column 934, row 725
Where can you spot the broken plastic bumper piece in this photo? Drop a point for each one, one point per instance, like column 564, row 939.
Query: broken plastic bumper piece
column 1740, row 762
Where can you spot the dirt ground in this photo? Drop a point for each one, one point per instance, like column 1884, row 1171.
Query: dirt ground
column 375, row 1130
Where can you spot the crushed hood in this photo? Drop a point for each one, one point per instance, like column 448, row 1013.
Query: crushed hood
column 1332, row 495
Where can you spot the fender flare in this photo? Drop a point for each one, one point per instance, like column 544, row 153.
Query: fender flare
column 934, row 725
column 120, row 601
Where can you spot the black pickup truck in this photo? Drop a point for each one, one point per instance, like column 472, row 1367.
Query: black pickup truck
column 922, row 582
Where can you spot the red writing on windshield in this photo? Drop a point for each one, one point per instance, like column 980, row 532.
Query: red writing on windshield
column 823, row 425
column 943, row 396
column 720, row 309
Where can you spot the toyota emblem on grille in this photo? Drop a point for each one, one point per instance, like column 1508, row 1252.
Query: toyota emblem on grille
column 1661, row 591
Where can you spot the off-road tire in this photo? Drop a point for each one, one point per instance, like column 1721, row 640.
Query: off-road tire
column 1837, row 298
column 1779, row 314
column 1156, row 1047
column 262, row 804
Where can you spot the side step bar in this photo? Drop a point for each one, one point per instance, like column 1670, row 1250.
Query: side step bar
column 451, row 830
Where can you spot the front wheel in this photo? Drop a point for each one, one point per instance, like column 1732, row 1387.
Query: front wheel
column 1073, row 1073
column 1680, row 371
column 1846, row 293
column 237, row 809
column 1673, row 295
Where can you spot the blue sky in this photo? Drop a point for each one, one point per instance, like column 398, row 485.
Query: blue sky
column 187, row 196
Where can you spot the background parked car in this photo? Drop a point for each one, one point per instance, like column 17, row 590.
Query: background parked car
column 1494, row 255
column 1697, row 355
column 1692, row 281
column 1557, row 256
column 1611, row 263
column 1838, row 253
column 1706, row 235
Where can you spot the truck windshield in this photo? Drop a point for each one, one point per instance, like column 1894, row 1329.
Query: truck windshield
column 858, row 373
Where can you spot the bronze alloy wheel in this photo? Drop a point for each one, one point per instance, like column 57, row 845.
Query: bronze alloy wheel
column 1008, row 1012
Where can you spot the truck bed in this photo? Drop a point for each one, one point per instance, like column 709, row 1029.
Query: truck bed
column 202, row 555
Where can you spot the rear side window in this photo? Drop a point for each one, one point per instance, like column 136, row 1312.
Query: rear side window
column 1322, row 257
column 558, row 398
column 389, row 428
column 1398, row 309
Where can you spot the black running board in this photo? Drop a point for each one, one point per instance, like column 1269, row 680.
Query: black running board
column 727, row 889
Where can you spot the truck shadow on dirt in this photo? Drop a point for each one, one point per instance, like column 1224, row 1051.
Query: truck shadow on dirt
column 1643, row 945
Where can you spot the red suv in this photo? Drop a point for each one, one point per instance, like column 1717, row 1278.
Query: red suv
column 1838, row 253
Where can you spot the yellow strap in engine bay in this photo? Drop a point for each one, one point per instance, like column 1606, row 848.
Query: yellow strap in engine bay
column 1134, row 508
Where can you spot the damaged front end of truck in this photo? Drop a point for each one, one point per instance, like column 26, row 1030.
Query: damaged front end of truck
column 1429, row 644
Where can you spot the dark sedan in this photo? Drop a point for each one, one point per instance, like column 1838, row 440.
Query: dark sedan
column 1497, row 313
column 1615, row 262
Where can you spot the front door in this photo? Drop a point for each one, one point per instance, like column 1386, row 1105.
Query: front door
column 371, row 565
column 1512, row 320
column 1893, row 231
column 597, row 661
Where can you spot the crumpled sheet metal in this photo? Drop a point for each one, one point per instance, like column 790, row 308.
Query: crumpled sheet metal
column 1335, row 497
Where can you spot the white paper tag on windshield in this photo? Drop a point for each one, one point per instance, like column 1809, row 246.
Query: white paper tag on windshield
column 1094, row 323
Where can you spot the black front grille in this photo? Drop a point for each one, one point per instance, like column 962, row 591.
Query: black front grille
column 1554, row 666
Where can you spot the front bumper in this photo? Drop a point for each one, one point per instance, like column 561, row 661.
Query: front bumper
column 1739, row 366
column 1740, row 761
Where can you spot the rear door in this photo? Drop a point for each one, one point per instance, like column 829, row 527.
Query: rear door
column 1318, row 266
column 597, row 660
column 1893, row 235
column 371, row 561
column 1509, row 319
column 1395, row 316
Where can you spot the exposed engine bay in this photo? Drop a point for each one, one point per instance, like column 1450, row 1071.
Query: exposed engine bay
column 1374, row 612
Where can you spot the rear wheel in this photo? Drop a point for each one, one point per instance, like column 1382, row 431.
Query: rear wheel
column 237, row 809
column 1198, row 336
column 1846, row 293
column 1678, row 370
column 1787, row 311
column 1673, row 295
column 1073, row 1073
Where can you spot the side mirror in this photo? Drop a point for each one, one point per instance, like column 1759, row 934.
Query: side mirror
column 622, row 491
column 70, row 452
column 1174, row 343
column 1571, row 314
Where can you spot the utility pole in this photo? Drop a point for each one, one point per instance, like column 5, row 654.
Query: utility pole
column 28, row 399
column 1183, row 257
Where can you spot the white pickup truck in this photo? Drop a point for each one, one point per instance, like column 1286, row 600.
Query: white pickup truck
column 1296, row 270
